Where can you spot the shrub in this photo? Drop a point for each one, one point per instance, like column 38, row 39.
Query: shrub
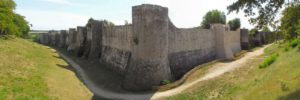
column 164, row 82
column 269, row 60
column 294, row 43
column 286, row 49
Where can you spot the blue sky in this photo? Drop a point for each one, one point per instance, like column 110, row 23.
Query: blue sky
column 64, row 14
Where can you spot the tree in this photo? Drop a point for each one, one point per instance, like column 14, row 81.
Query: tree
column 234, row 24
column 266, row 9
column 253, row 31
column 126, row 22
column 109, row 23
column 298, row 28
column 22, row 25
column 12, row 23
column 213, row 16
column 6, row 15
column 289, row 21
column 266, row 29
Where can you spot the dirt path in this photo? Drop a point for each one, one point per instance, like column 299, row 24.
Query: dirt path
column 215, row 70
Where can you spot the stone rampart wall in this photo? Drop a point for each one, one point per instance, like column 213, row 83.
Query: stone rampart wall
column 116, row 47
column 190, row 47
column 150, row 50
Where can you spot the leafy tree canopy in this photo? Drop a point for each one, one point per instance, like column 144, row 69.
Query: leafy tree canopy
column 289, row 21
column 266, row 29
column 10, row 22
column 298, row 28
column 266, row 10
column 234, row 24
column 213, row 16
column 7, row 4
column 253, row 31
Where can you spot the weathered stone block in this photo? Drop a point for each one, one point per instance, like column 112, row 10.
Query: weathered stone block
column 223, row 48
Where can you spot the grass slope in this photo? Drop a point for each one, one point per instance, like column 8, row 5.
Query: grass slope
column 280, row 80
column 30, row 71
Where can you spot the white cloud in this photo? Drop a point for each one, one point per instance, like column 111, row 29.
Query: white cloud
column 183, row 13
column 66, row 2
column 59, row 1
column 47, row 20
column 189, row 13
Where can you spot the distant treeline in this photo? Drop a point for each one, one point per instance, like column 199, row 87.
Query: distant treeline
column 12, row 23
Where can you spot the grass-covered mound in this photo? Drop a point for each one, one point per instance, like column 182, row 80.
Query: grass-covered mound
column 278, row 79
column 29, row 71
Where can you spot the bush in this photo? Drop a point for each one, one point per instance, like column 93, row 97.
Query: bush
column 165, row 82
column 294, row 43
column 268, row 61
column 286, row 49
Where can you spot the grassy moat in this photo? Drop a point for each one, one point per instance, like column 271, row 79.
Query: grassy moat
column 280, row 80
column 31, row 71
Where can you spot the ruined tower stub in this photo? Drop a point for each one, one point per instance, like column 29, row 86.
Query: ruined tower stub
column 72, row 39
column 244, row 39
column 149, row 63
column 94, row 40
column 53, row 38
column 81, row 40
column 222, row 42
column 62, row 40
column 57, row 38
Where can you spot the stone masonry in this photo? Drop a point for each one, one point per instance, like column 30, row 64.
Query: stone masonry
column 150, row 50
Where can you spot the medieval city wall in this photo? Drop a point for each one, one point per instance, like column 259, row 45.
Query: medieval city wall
column 152, row 49
column 149, row 63
column 234, row 39
column 244, row 33
column 72, row 39
column 190, row 47
column 116, row 47
column 94, row 39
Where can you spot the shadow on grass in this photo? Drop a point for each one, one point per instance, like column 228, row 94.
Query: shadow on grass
column 291, row 96
column 58, row 57
column 100, row 98
column 68, row 67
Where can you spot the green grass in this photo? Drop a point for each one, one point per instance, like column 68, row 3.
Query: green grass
column 281, row 80
column 29, row 71
column 269, row 60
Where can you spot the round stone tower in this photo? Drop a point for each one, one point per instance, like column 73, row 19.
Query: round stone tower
column 149, row 63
